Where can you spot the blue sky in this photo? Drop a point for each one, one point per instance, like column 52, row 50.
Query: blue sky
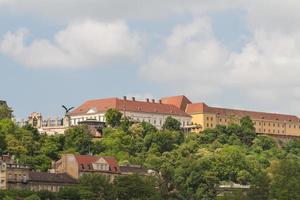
column 226, row 53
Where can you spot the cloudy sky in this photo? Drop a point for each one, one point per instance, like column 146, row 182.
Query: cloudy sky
column 231, row 53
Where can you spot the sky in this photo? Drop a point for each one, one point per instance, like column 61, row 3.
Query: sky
column 228, row 53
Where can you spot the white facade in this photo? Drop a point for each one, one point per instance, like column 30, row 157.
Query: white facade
column 154, row 118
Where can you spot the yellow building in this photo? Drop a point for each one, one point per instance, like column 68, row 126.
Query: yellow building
column 264, row 123
column 205, row 117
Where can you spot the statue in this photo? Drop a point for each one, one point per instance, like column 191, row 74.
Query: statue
column 66, row 119
column 67, row 109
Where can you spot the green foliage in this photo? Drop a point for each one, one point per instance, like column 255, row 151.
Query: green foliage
column 135, row 187
column 96, row 186
column 285, row 183
column 46, row 195
column 113, row 117
column 78, row 139
column 68, row 193
column 5, row 111
column 171, row 124
column 185, row 165
column 33, row 197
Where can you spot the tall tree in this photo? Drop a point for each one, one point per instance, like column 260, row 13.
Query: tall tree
column 171, row 124
column 78, row 139
column 113, row 117
column 285, row 183
column 5, row 111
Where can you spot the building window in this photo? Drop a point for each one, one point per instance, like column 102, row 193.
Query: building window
column 211, row 118
column 207, row 125
column 211, row 125
column 273, row 125
column 154, row 121
column 207, row 118
column 289, row 126
column 259, row 123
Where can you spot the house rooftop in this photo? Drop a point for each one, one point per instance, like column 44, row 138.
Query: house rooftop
column 133, row 105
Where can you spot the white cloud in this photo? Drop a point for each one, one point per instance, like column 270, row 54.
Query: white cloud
column 266, row 70
column 80, row 44
column 192, row 59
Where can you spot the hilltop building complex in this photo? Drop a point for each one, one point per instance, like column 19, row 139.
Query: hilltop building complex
column 194, row 117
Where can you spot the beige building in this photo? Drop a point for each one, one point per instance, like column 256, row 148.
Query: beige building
column 154, row 112
column 20, row 176
column 77, row 165
column 204, row 117
column 49, row 126
column 264, row 123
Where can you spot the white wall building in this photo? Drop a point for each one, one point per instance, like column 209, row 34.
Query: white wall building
column 148, row 111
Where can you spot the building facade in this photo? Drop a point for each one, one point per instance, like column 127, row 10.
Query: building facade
column 20, row 176
column 77, row 165
column 49, row 126
column 148, row 111
column 264, row 123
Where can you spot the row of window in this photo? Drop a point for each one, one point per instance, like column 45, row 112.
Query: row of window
column 209, row 126
column 264, row 123
column 269, row 131
column 274, row 125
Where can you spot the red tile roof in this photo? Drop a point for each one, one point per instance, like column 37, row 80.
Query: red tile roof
column 85, row 162
column 180, row 101
column 203, row 108
column 101, row 105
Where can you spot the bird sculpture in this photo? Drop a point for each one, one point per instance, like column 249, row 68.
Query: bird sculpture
column 67, row 109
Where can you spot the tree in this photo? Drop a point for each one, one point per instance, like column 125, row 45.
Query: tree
column 163, row 140
column 135, row 187
column 78, row 139
column 171, row 124
column 285, row 183
column 46, row 195
column 33, row 197
column 260, row 186
column 5, row 111
column 97, row 186
column 68, row 193
column 248, row 130
column 113, row 117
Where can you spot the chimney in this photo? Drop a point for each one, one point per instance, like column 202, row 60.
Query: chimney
column 133, row 98
column 160, row 101
column 153, row 100
column 147, row 100
column 124, row 97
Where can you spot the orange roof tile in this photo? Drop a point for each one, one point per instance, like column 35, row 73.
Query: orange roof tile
column 180, row 101
column 85, row 162
column 101, row 105
column 203, row 108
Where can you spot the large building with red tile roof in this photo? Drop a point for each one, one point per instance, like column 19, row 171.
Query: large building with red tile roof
column 154, row 112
